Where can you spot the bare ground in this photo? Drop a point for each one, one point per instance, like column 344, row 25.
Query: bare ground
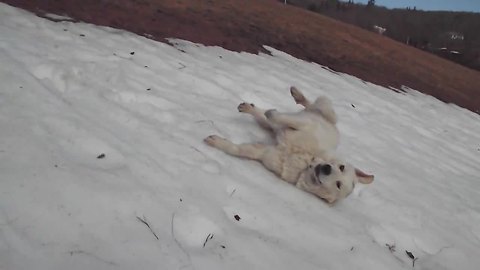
column 246, row 25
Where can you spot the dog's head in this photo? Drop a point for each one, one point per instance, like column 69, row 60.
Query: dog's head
column 334, row 179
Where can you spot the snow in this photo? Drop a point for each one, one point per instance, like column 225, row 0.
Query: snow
column 71, row 92
column 56, row 17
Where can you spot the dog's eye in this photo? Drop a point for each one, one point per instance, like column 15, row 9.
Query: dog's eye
column 341, row 167
column 339, row 184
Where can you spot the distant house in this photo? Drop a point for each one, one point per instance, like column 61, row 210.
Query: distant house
column 455, row 35
column 378, row 29
column 451, row 43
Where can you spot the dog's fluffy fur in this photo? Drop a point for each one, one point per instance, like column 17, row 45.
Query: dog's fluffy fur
column 304, row 153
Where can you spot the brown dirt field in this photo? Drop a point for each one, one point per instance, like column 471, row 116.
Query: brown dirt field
column 246, row 25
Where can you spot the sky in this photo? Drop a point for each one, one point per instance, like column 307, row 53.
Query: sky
column 454, row 5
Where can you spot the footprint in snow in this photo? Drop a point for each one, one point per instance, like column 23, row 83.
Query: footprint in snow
column 194, row 230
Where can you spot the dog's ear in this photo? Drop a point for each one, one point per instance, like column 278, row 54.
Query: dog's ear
column 363, row 177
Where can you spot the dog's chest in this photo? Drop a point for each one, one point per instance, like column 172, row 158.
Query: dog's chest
column 293, row 161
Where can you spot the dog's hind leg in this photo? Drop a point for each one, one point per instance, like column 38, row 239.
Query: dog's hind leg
column 285, row 119
column 299, row 97
column 251, row 151
column 257, row 113
column 322, row 104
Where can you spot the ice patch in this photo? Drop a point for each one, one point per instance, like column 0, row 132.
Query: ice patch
column 58, row 17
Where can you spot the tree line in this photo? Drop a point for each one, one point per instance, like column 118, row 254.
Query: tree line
column 452, row 35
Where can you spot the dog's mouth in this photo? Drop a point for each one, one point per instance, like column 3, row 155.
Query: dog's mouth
column 315, row 180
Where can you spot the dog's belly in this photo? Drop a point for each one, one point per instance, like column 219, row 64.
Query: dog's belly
column 327, row 138
column 295, row 149
column 315, row 141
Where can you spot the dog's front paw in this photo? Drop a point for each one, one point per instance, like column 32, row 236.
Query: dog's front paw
column 213, row 140
column 245, row 107
column 269, row 114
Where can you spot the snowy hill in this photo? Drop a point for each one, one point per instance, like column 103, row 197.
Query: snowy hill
column 102, row 164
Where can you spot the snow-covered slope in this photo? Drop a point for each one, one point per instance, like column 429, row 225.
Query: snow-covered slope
column 72, row 92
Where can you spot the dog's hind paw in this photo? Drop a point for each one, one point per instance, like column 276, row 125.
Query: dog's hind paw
column 245, row 107
column 297, row 95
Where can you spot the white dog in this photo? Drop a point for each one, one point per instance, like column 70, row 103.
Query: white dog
column 304, row 151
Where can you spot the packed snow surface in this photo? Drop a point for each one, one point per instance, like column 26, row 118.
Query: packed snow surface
column 101, row 135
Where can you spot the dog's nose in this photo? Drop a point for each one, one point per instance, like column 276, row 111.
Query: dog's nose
column 324, row 169
column 327, row 169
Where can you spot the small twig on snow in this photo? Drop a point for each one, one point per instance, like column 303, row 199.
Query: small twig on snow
column 148, row 225
column 203, row 121
column 209, row 237
column 391, row 247
column 411, row 256
column 208, row 121
column 194, row 148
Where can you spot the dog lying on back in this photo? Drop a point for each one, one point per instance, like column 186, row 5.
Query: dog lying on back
column 304, row 153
